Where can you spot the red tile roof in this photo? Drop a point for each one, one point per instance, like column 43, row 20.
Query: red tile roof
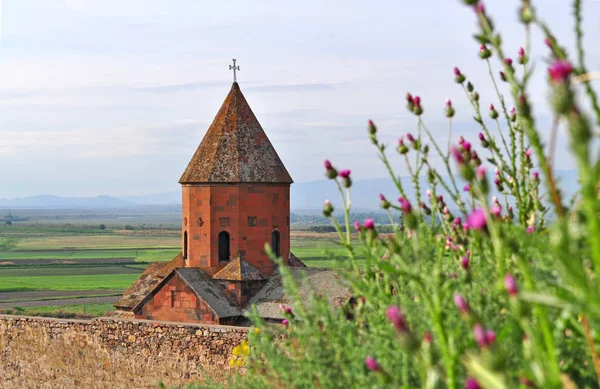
column 235, row 149
column 239, row 270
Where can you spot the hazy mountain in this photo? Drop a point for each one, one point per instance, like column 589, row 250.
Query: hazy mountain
column 304, row 196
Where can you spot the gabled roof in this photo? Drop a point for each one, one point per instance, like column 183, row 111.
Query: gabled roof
column 239, row 270
column 209, row 291
column 235, row 149
column 144, row 285
column 294, row 261
column 323, row 281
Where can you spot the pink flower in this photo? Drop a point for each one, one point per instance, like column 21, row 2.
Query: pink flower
column 345, row 173
column 288, row 310
column 560, row 71
column 480, row 172
column 327, row 164
column 448, row 103
column 496, row 210
column 536, row 176
column 466, row 226
column 479, row 335
column 417, row 100
column 466, row 145
column 285, row 322
column 381, row 197
column 477, row 219
column 479, row 8
column 457, row 155
column 372, row 364
column 460, row 139
column 492, row 107
column 461, row 304
column 528, row 153
column 369, row 224
column 467, row 188
column 440, row 198
column 508, row 61
column 427, row 337
column 282, row 307
column 409, row 98
column 465, row 262
column 457, row 221
column 530, row 229
column 513, row 111
column 510, row 284
column 481, row 137
column 396, row 316
column 357, row 226
column 410, row 138
column 405, row 205
column 456, row 72
column 521, row 52
column 471, row 383
column 490, row 337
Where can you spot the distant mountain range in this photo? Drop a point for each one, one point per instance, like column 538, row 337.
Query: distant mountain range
column 304, row 196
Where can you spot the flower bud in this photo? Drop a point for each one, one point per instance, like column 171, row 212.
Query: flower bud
column 396, row 317
column 521, row 57
column 372, row 128
column 330, row 172
column 462, row 304
column 345, row 174
column 513, row 114
column 410, row 102
column 327, row 208
column 467, row 188
column 372, row 364
column 369, row 224
column 458, row 76
column 384, row 203
column 510, row 284
column 476, row 96
column 470, row 87
column 417, row 109
column 493, row 112
column 449, row 109
column 484, row 53
column 502, row 76
column 472, row 383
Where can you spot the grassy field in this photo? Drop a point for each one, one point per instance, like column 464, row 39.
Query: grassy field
column 66, row 259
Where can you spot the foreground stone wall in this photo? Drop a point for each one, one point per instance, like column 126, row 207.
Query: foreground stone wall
column 135, row 351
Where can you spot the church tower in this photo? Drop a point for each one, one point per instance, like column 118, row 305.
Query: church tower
column 235, row 197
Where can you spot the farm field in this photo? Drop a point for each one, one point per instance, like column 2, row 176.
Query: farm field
column 47, row 267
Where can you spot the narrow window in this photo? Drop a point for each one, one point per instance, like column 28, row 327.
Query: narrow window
column 275, row 243
column 185, row 245
column 224, row 252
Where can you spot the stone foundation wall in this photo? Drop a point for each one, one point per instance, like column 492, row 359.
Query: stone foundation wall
column 177, row 352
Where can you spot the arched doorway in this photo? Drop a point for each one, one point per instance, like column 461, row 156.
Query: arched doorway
column 276, row 243
column 224, row 249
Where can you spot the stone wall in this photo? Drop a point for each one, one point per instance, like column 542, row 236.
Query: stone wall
column 175, row 352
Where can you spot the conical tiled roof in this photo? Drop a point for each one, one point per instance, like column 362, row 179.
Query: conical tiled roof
column 235, row 149
column 238, row 270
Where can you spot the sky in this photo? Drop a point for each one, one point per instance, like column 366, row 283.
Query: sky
column 114, row 96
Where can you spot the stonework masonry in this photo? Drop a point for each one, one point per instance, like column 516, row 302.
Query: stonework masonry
column 205, row 345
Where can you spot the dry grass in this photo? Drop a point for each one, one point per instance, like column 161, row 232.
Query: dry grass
column 75, row 361
column 96, row 241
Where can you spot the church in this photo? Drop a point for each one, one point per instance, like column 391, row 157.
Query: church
column 235, row 199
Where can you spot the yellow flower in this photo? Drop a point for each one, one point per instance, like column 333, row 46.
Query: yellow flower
column 231, row 362
column 256, row 331
column 237, row 351
column 239, row 362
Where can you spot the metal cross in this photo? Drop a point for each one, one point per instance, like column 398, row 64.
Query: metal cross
column 234, row 68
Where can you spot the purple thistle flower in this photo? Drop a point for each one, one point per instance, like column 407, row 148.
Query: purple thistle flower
column 467, row 188
column 479, row 8
column 288, row 310
column 496, row 210
column 466, row 145
column 405, row 205
column 536, row 176
column 372, row 364
column 465, row 262
column 492, row 107
column 396, row 316
column 502, row 76
column 285, row 322
column 560, row 71
column 521, row 52
column 528, row 153
column 481, row 137
column 357, row 226
column 461, row 139
column 480, row 172
column 440, row 198
column 345, row 173
column 448, row 103
column 530, row 229
column 461, row 304
column 477, row 219
column 417, row 100
column 327, row 164
column 510, row 284
column 471, row 383
column 457, row 155
column 369, row 224
column 457, row 221
column 410, row 138
column 479, row 335
column 381, row 197
column 457, row 72
column 409, row 98
column 508, row 61
column 490, row 337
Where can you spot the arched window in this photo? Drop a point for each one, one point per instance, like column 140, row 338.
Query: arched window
column 224, row 252
column 185, row 245
column 276, row 243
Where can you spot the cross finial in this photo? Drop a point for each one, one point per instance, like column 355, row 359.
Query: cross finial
column 234, row 68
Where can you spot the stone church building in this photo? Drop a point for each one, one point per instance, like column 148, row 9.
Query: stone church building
column 235, row 199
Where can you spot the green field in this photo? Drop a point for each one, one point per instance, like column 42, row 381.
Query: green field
column 66, row 256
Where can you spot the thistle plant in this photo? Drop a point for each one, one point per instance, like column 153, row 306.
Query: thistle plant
column 478, row 289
